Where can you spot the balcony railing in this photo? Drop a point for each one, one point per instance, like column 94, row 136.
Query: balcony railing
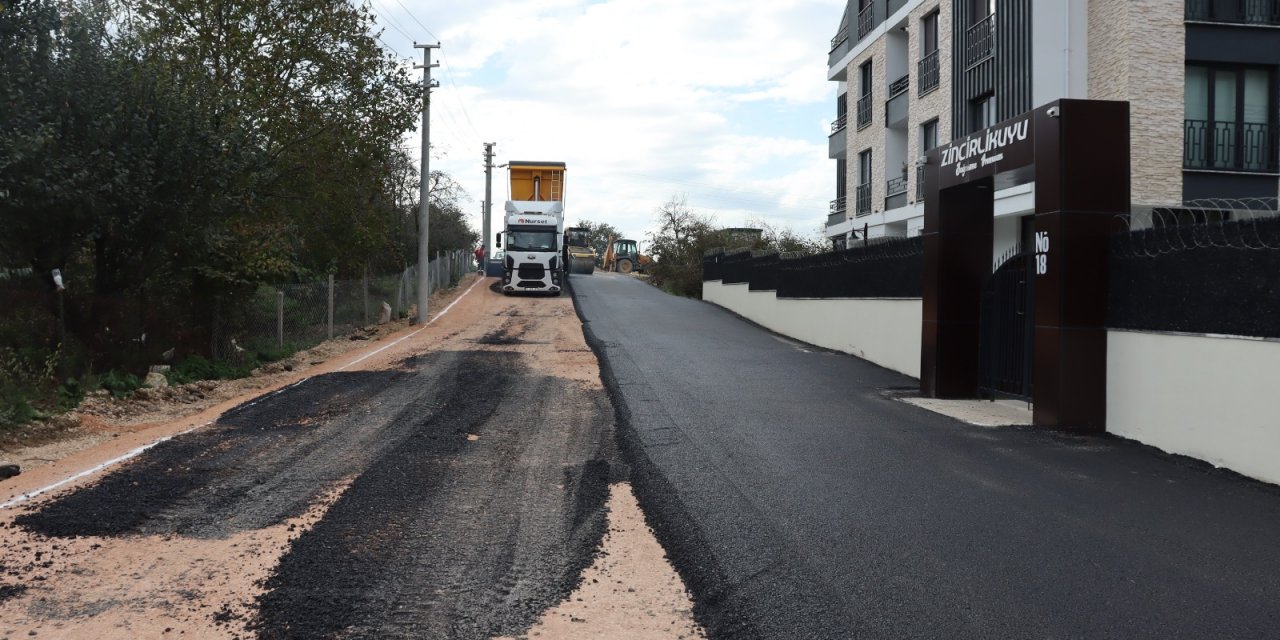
column 899, row 86
column 862, row 199
column 979, row 41
column 840, row 38
column 1263, row 12
column 1231, row 146
column 841, row 121
column 927, row 73
column 919, row 183
column 839, row 205
column 866, row 21
column 838, row 211
column 864, row 111
column 895, row 186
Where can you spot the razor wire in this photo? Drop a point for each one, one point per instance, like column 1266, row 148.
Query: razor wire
column 1247, row 224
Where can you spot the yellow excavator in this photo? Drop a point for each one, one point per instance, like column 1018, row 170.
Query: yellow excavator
column 624, row 256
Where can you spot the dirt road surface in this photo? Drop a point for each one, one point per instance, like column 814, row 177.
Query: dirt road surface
column 452, row 482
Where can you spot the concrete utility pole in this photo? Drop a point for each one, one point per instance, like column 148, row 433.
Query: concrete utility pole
column 488, row 204
column 424, row 209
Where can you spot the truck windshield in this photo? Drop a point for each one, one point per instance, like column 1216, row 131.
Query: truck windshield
column 531, row 241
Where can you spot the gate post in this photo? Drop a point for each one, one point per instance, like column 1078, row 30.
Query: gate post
column 1082, row 185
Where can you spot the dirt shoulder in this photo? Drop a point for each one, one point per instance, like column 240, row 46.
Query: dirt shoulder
column 153, row 413
column 452, row 480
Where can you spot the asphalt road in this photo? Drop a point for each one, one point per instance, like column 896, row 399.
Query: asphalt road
column 798, row 500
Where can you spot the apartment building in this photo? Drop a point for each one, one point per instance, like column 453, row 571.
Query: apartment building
column 1200, row 76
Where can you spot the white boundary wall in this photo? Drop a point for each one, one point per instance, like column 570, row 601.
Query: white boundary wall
column 884, row 331
column 1207, row 397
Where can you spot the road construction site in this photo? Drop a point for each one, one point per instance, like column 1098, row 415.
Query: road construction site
column 458, row 480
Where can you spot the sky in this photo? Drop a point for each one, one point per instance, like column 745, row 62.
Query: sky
column 724, row 103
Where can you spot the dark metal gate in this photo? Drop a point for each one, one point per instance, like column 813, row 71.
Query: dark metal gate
column 1004, row 356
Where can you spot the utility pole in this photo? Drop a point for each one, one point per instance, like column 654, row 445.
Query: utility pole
column 488, row 204
column 424, row 210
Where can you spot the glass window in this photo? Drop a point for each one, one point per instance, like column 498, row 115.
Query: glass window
column 1197, row 101
column 930, row 34
column 1230, row 120
column 983, row 8
column 864, row 73
column 864, row 167
column 982, row 113
column 928, row 136
column 1256, row 107
column 531, row 241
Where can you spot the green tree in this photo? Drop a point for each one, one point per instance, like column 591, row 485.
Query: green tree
column 682, row 238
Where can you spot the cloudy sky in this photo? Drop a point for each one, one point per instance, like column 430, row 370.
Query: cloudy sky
column 723, row 102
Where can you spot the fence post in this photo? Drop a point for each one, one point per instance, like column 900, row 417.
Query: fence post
column 214, row 334
column 331, row 306
column 280, row 318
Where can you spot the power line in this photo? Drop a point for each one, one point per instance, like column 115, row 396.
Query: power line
column 448, row 67
column 415, row 19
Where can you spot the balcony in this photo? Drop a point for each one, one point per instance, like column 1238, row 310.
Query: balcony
column 927, row 73
column 862, row 200
column 895, row 192
column 979, row 41
column 896, row 185
column 838, row 211
column 1231, row 146
column 895, row 108
column 864, row 111
column 841, row 37
column 1259, row 12
column 838, row 142
column 866, row 20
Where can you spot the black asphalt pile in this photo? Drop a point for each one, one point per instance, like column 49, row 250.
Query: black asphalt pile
column 261, row 463
column 510, row 332
column 482, row 517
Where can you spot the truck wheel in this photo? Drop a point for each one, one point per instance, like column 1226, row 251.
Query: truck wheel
column 624, row 266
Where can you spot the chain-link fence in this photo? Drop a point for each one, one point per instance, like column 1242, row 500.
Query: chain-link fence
column 279, row 320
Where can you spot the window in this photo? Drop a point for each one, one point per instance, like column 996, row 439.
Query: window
column 866, row 18
column 928, row 136
column 929, row 34
column 531, row 241
column 927, row 68
column 982, row 9
column 982, row 113
column 1230, row 120
column 862, row 192
column 864, row 97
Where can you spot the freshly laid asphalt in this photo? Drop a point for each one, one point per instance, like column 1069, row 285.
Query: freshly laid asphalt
column 797, row 499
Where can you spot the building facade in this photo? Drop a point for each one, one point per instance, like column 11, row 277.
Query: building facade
column 1200, row 77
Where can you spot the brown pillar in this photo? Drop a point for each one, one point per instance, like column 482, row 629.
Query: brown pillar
column 957, row 250
column 1082, row 184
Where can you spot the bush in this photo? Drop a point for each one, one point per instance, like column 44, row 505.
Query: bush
column 120, row 383
column 197, row 367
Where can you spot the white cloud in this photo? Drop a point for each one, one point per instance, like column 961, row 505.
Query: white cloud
column 643, row 99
